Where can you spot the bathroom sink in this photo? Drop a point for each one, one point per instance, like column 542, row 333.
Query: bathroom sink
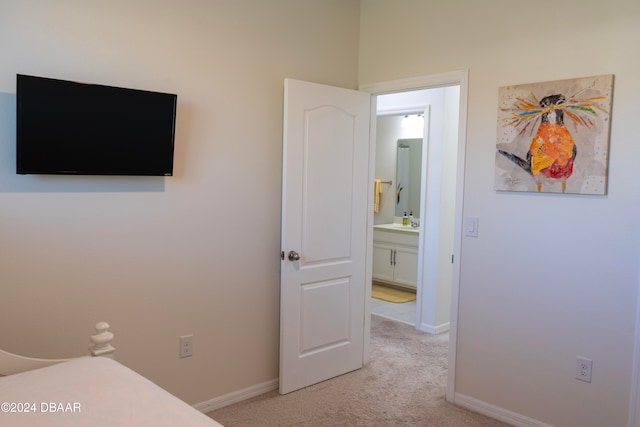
column 398, row 227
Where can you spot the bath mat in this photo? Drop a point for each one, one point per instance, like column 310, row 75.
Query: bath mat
column 386, row 293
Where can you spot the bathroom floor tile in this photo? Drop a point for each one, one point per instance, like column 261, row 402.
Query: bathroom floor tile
column 404, row 312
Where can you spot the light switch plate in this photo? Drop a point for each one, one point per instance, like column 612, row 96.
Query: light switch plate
column 471, row 226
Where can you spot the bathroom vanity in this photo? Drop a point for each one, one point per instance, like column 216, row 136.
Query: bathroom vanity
column 395, row 255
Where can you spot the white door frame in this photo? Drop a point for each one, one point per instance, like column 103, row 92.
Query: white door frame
column 461, row 78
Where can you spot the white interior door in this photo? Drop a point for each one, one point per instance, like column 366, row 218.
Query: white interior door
column 325, row 189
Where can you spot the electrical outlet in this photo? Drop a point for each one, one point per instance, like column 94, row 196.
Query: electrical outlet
column 186, row 345
column 583, row 369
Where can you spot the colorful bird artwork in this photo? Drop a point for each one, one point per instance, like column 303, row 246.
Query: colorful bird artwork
column 552, row 147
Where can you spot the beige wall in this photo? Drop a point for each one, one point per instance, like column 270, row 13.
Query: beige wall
column 550, row 277
column 196, row 253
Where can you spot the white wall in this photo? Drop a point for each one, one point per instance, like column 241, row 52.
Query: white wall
column 550, row 277
column 196, row 253
column 441, row 317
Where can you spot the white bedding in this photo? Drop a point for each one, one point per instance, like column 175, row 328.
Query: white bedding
column 91, row 392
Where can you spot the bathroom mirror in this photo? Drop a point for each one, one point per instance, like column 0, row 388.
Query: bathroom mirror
column 408, row 176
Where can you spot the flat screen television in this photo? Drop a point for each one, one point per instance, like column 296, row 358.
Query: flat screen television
column 66, row 127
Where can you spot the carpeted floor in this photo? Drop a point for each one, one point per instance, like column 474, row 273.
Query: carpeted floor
column 403, row 385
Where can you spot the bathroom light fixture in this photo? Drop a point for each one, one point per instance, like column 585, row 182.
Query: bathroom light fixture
column 413, row 120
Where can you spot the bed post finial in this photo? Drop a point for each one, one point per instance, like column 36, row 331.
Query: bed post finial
column 102, row 341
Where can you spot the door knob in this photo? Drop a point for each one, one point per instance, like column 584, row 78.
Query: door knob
column 294, row 256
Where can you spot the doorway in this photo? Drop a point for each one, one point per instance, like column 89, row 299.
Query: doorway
column 406, row 164
column 437, row 295
column 399, row 156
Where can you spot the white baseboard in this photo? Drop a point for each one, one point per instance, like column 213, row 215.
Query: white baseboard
column 236, row 396
column 496, row 412
column 430, row 329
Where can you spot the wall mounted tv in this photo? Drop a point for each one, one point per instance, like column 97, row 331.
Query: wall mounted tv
column 66, row 127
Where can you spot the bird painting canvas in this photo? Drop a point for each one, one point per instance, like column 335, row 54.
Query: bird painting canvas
column 553, row 137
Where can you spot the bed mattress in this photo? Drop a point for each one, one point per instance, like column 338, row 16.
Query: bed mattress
column 91, row 392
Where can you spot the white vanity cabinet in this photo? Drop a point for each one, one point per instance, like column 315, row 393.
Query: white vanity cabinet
column 395, row 255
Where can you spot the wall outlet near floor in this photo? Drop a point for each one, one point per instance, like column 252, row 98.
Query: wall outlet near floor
column 583, row 369
column 186, row 346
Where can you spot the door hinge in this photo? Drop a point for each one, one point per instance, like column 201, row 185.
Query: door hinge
column 451, row 258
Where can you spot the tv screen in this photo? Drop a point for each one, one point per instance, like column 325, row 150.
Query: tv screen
column 66, row 127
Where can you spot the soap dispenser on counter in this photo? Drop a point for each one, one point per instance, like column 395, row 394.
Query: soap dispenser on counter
column 405, row 219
